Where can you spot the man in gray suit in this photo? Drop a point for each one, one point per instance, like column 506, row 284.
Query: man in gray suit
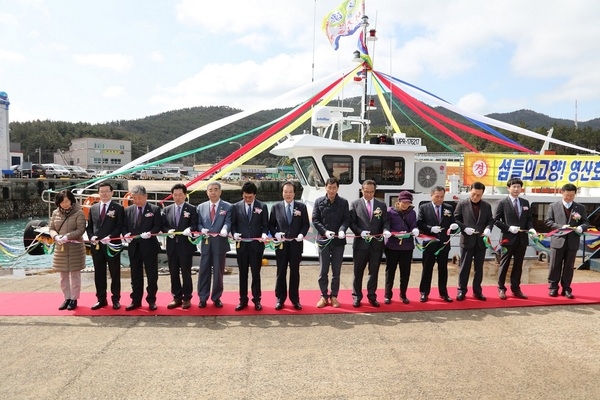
column 514, row 219
column 370, row 223
column 474, row 217
column 214, row 222
column 571, row 218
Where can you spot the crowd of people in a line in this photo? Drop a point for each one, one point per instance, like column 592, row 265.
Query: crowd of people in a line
column 377, row 229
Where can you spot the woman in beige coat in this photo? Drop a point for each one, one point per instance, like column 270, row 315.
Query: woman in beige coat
column 67, row 226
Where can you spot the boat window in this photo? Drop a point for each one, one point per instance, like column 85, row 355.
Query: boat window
column 310, row 172
column 383, row 170
column 339, row 167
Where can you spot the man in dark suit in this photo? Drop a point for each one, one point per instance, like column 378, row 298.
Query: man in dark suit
column 180, row 217
column 250, row 225
column 514, row 219
column 142, row 222
column 214, row 222
column 289, row 224
column 331, row 215
column 474, row 217
column 105, row 221
column 370, row 223
column 572, row 218
column 436, row 219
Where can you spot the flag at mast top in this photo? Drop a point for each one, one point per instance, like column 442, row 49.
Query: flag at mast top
column 344, row 20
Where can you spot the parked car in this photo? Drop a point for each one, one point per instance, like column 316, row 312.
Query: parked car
column 77, row 172
column 36, row 171
column 102, row 173
column 172, row 174
column 151, row 174
column 91, row 173
column 56, row 171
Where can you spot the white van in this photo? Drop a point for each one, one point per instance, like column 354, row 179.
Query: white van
column 232, row 176
column 56, row 171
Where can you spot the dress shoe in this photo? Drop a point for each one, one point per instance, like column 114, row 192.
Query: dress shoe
column 387, row 301
column 502, row 294
column 258, row 307
column 569, row 295
column 322, row 302
column 116, row 305
column 405, row 300
column 241, row 306
column 553, row 293
column 64, row 304
column 185, row 304
column 278, row 306
column 99, row 305
column 446, row 298
column 202, row 304
column 218, row 303
column 460, row 296
column 374, row 303
column 519, row 295
column 479, row 297
column 297, row 306
column 174, row 304
column 132, row 306
column 152, row 306
column 72, row 305
column 334, row 302
column 423, row 298
column 356, row 303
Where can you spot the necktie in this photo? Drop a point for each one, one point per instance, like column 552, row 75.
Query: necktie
column 289, row 213
column 103, row 213
column 249, row 212
column 369, row 209
column 177, row 216
column 516, row 204
column 438, row 213
column 212, row 213
column 138, row 222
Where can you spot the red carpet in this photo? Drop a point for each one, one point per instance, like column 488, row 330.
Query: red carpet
column 46, row 303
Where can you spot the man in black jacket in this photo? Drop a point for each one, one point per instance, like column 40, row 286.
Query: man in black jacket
column 330, row 215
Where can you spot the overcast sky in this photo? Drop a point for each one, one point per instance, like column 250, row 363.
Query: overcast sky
column 99, row 61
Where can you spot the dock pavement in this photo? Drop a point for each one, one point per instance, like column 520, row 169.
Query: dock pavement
column 548, row 352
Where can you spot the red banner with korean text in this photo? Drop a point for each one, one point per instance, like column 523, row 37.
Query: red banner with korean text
column 551, row 171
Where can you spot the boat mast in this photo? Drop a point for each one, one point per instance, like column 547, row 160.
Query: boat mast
column 363, row 111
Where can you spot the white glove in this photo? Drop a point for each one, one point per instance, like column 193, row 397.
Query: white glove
column 263, row 237
column 436, row 229
column 453, row 227
column 364, row 234
column 146, row 235
column 566, row 226
column 204, row 231
column 94, row 239
column 60, row 239
column 341, row 234
column 127, row 238
column 223, row 232
column 300, row 238
column 469, row 231
column 187, row 232
column 106, row 240
column 171, row 232
column 579, row 230
column 486, row 232
column 415, row 232
column 237, row 236
column 329, row 234
column 279, row 235
column 513, row 229
column 533, row 232
column 387, row 234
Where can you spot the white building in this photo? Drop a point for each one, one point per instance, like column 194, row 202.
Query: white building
column 96, row 153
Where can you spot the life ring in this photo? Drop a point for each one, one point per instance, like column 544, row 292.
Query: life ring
column 30, row 235
column 126, row 201
column 89, row 202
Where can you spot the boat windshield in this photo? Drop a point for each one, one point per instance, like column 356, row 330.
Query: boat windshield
column 308, row 172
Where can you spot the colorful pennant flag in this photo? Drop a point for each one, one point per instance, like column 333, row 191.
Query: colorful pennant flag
column 343, row 21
